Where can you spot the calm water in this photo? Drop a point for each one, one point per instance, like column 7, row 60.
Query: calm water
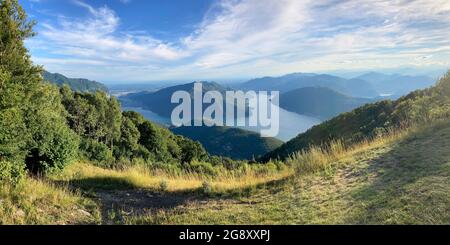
column 149, row 115
column 291, row 124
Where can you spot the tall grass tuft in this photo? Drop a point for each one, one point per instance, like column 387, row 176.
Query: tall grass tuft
column 326, row 156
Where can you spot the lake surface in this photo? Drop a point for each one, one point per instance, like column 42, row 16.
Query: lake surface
column 291, row 124
column 150, row 115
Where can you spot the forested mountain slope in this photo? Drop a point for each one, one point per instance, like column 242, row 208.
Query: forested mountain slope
column 373, row 119
column 319, row 102
column 160, row 101
column 76, row 84
column 230, row 142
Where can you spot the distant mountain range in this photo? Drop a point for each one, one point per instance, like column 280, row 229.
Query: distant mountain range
column 76, row 84
column 371, row 120
column 395, row 84
column 160, row 101
column 230, row 142
column 369, row 85
column 320, row 102
column 321, row 96
column 352, row 87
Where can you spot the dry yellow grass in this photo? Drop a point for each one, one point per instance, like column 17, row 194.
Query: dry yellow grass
column 400, row 178
column 141, row 177
column 315, row 159
column 41, row 202
column 52, row 202
column 324, row 158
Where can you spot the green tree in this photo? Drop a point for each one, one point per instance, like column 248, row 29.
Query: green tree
column 113, row 121
column 191, row 150
column 127, row 144
column 32, row 118
column 152, row 139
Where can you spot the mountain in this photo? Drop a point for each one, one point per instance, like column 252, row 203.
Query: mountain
column 76, row 84
column 351, row 87
column 160, row 101
column 319, row 102
column 371, row 120
column 230, row 142
column 395, row 84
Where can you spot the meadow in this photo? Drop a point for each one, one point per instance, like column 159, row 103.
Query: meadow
column 397, row 178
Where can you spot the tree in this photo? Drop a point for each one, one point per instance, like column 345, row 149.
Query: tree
column 152, row 139
column 128, row 143
column 191, row 150
column 12, row 124
column 32, row 120
column 113, row 121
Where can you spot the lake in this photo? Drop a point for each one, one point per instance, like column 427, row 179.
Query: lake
column 291, row 124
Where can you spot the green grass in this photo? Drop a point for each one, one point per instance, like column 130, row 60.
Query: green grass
column 400, row 178
column 42, row 202
column 405, row 181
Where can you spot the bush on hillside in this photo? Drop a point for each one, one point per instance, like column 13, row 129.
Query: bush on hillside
column 96, row 151
column 203, row 168
column 11, row 172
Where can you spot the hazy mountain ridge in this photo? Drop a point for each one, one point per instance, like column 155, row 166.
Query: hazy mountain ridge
column 76, row 84
column 160, row 101
column 352, row 87
column 396, row 84
column 373, row 119
column 319, row 102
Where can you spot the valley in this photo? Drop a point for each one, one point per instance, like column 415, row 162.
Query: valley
column 159, row 142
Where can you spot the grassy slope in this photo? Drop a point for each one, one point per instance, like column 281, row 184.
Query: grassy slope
column 402, row 182
column 398, row 180
column 42, row 202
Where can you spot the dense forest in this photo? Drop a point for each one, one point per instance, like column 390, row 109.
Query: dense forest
column 230, row 142
column 43, row 127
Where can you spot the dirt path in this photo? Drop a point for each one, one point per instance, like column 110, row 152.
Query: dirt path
column 117, row 203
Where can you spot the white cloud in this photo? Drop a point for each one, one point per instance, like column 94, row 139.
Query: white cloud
column 97, row 38
column 264, row 37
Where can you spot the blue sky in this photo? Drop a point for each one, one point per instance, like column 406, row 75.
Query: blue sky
column 146, row 40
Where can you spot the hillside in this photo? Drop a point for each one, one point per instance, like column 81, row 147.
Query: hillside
column 351, row 87
column 76, row 84
column 396, row 84
column 320, row 102
column 404, row 180
column 159, row 101
column 398, row 179
column 230, row 142
column 71, row 157
column 373, row 119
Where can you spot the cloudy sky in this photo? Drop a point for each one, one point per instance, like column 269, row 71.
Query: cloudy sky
column 142, row 40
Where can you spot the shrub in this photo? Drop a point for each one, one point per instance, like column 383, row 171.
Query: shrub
column 202, row 168
column 171, row 169
column 206, row 187
column 164, row 185
column 11, row 172
column 52, row 149
column 96, row 151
